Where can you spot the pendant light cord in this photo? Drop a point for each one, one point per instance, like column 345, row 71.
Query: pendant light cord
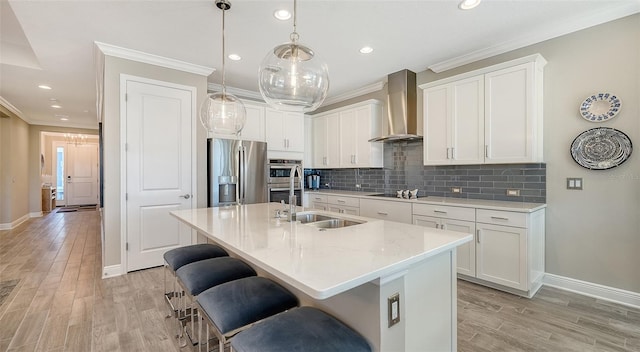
column 224, row 90
column 294, row 35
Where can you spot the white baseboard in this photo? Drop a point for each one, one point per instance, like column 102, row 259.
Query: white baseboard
column 111, row 271
column 590, row 289
column 15, row 223
column 37, row 214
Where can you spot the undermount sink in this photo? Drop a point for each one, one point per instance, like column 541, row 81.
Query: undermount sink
column 325, row 222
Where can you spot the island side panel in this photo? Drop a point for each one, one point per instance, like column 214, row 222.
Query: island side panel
column 431, row 304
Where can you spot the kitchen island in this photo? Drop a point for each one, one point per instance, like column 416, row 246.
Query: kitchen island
column 351, row 272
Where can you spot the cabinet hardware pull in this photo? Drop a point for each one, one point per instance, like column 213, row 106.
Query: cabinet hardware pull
column 437, row 226
column 448, row 153
column 439, row 211
column 317, row 198
column 341, row 201
column 382, row 213
column 500, row 218
column 453, row 153
column 478, row 235
column 486, row 150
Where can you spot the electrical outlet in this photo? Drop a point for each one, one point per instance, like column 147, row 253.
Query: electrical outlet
column 456, row 189
column 574, row 183
column 358, row 185
column 393, row 303
column 513, row 192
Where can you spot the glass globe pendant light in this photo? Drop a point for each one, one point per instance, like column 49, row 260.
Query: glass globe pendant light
column 221, row 112
column 292, row 77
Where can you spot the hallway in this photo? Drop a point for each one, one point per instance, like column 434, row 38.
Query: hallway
column 61, row 303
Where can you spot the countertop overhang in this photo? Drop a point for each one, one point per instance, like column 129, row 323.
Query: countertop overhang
column 319, row 263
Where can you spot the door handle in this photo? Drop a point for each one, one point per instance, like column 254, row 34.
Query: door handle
column 478, row 235
column 382, row 213
column 185, row 196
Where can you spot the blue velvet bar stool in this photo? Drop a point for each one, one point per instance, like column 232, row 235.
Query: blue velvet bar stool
column 230, row 307
column 176, row 258
column 304, row 329
column 199, row 276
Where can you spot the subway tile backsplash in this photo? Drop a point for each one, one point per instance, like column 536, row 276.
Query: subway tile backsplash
column 403, row 169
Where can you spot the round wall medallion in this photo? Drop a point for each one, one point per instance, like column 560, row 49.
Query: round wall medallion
column 600, row 107
column 601, row 148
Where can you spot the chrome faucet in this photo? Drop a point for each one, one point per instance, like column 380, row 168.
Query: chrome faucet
column 296, row 169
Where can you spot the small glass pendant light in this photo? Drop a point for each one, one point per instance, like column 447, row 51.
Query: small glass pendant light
column 292, row 77
column 221, row 112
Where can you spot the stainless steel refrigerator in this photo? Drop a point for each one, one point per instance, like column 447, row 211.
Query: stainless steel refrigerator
column 236, row 172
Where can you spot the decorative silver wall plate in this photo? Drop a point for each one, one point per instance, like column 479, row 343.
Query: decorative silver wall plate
column 600, row 107
column 601, row 148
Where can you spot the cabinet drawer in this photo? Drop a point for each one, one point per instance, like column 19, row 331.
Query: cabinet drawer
column 344, row 209
column 322, row 198
column 319, row 205
column 507, row 218
column 445, row 211
column 343, row 201
column 386, row 210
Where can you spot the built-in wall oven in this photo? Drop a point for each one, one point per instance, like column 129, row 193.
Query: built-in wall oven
column 278, row 182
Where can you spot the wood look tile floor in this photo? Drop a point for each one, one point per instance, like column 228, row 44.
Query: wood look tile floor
column 62, row 304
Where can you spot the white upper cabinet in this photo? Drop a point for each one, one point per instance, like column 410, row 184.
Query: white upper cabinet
column 325, row 141
column 285, row 133
column 254, row 127
column 513, row 115
column 454, row 124
column 341, row 136
column 492, row 115
column 307, row 162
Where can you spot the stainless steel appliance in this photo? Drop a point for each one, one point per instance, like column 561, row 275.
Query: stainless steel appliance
column 236, row 172
column 278, row 182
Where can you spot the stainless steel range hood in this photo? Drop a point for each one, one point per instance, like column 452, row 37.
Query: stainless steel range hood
column 401, row 108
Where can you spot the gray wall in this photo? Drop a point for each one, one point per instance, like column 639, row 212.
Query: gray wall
column 14, row 168
column 113, row 68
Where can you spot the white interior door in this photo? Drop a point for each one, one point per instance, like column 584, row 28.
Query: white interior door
column 158, row 168
column 81, row 174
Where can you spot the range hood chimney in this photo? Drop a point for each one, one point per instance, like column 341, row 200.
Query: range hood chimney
column 401, row 108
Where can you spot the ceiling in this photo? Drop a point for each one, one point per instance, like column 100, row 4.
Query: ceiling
column 52, row 42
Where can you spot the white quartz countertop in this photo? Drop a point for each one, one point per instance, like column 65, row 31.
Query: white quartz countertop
column 319, row 263
column 523, row 207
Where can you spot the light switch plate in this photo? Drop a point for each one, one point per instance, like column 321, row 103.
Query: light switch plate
column 574, row 183
column 393, row 303
column 513, row 192
column 456, row 189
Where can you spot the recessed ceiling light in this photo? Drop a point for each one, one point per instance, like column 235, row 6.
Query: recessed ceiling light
column 64, row 119
column 235, row 57
column 56, row 106
column 282, row 15
column 53, row 99
column 468, row 4
column 366, row 50
column 43, row 86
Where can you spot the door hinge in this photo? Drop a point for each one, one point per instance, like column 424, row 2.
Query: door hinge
column 126, row 246
column 126, row 196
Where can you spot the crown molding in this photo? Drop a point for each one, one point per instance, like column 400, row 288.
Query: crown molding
column 241, row 93
column 139, row 56
column 4, row 102
column 538, row 36
column 373, row 87
column 67, row 124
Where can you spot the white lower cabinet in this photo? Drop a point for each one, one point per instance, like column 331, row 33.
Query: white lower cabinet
column 344, row 205
column 507, row 252
column 318, row 201
column 453, row 219
column 386, row 210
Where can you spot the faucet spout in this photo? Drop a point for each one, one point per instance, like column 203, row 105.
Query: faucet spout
column 296, row 169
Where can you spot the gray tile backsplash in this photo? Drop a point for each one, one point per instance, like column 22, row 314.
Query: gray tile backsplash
column 403, row 169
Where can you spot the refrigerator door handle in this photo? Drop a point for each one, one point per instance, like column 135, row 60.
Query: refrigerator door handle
column 244, row 174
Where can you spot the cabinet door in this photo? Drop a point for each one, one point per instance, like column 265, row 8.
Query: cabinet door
column 466, row 126
column 348, row 136
column 275, row 136
column 426, row 221
column 387, row 210
column 436, row 132
column 333, row 140
column 509, row 115
column 501, row 255
column 254, row 129
column 320, row 142
column 319, row 206
column 308, row 143
column 466, row 253
column 293, row 129
column 344, row 209
column 368, row 125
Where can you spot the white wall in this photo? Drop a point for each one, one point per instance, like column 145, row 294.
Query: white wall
column 14, row 186
column 594, row 234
